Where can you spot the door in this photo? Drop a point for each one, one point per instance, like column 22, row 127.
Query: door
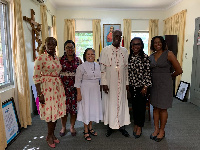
column 172, row 45
column 195, row 78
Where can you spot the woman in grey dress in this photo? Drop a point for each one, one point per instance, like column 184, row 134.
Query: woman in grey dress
column 162, row 88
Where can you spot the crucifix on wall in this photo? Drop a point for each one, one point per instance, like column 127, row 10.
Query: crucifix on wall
column 36, row 28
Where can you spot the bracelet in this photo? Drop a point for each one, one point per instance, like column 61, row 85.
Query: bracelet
column 39, row 95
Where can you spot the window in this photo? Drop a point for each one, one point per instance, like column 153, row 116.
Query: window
column 6, row 73
column 83, row 41
column 144, row 35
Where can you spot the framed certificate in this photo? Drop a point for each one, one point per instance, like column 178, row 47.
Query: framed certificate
column 11, row 121
column 182, row 90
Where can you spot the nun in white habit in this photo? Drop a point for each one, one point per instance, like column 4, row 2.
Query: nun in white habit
column 89, row 105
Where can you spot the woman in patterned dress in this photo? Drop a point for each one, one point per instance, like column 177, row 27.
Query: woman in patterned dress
column 50, row 88
column 139, row 81
column 69, row 63
column 161, row 94
column 88, row 93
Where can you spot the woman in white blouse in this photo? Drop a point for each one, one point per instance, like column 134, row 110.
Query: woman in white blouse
column 89, row 104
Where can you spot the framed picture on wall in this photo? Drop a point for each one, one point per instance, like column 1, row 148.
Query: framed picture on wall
column 11, row 121
column 107, row 33
column 182, row 90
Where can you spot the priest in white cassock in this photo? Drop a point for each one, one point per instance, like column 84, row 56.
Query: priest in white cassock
column 114, row 81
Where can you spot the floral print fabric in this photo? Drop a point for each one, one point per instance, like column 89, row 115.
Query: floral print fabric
column 46, row 72
column 68, row 78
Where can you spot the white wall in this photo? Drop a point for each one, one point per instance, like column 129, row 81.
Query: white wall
column 140, row 25
column 26, row 6
column 193, row 12
column 140, row 18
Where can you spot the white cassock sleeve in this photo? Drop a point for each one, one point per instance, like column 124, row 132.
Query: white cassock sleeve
column 103, row 64
column 126, row 68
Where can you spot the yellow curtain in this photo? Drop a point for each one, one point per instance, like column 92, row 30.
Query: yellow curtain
column 69, row 30
column 55, row 33
column 20, row 65
column 3, row 140
column 100, row 48
column 175, row 25
column 96, row 28
column 43, row 15
column 127, row 33
column 153, row 31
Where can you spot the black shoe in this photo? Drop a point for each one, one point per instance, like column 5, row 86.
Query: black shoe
column 109, row 132
column 159, row 139
column 137, row 136
column 134, row 133
column 153, row 137
column 124, row 132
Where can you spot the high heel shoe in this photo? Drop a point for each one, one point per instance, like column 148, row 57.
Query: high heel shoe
column 53, row 145
column 134, row 133
column 153, row 137
column 62, row 133
column 56, row 141
column 137, row 136
column 73, row 131
column 159, row 139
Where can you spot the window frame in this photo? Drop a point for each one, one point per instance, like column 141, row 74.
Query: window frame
column 140, row 31
column 7, row 57
column 76, row 42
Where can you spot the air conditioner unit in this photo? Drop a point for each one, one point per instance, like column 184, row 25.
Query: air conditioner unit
column 39, row 1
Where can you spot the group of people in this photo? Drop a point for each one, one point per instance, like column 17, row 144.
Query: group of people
column 94, row 92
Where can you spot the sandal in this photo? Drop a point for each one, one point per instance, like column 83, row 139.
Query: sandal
column 92, row 132
column 56, row 141
column 87, row 138
column 53, row 145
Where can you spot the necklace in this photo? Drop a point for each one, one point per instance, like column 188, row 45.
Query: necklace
column 93, row 69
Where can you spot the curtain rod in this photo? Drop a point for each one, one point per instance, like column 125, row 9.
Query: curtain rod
column 176, row 14
column 140, row 19
column 100, row 19
column 84, row 19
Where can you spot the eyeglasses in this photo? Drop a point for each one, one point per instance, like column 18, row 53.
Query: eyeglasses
column 134, row 44
column 69, row 47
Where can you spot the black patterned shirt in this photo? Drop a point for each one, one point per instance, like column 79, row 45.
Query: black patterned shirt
column 139, row 71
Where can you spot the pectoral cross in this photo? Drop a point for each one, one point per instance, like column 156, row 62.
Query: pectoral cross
column 117, row 67
column 36, row 28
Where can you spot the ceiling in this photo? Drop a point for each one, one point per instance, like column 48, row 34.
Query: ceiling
column 115, row 4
